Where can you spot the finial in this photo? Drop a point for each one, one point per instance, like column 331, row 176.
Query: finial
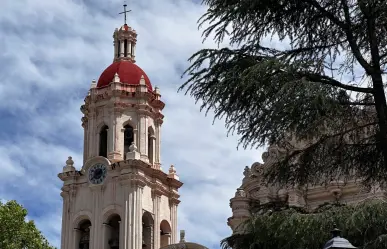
column 172, row 169
column 116, row 77
column 69, row 161
column 172, row 173
column 125, row 11
column 142, row 80
column 132, row 147
column 93, row 83
column 69, row 165
column 182, row 236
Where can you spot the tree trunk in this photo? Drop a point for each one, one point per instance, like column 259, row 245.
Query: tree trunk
column 381, row 109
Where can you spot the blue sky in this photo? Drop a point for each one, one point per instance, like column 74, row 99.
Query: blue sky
column 51, row 51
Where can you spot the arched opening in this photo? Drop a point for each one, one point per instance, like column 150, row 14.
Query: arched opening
column 118, row 49
column 165, row 233
column 128, row 138
column 147, row 231
column 113, row 231
column 151, row 145
column 103, row 138
column 84, row 234
column 125, row 48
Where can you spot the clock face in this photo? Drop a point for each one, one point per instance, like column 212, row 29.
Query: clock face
column 97, row 173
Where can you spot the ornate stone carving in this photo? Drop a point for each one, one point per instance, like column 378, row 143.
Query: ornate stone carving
column 132, row 147
column 69, row 165
column 240, row 193
column 257, row 169
column 247, row 172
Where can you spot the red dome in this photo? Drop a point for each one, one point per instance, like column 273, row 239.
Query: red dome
column 128, row 72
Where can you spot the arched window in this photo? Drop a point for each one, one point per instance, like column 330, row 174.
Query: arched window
column 147, row 231
column 128, row 138
column 125, row 48
column 113, row 232
column 84, row 234
column 118, row 48
column 165, row 233
column 103, row 135
column 151, row 145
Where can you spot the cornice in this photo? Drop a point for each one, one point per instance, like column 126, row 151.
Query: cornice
column 65, row 176
column 148, row 171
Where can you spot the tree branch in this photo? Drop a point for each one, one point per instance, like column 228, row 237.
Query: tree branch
column 357, row 103
column 330, row 81
column 347, row 27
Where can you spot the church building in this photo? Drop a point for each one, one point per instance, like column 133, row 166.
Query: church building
column 254, row 191
column 120, row 197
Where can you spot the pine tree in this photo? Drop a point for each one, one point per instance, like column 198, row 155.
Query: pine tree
column 322, row 83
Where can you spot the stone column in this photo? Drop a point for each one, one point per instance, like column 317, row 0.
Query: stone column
column 112, row 139
column 127, row 215
column 114, row 154
column 91, row 135
column 157, row 152
column 122, row 48
column 129, row 48
column 138, row 218
column 65, row 221
column 152, row 152
column 173, row 209
column 121, row 226
column 85, row 138
column 156, row 196
column 133, row 50
column 96, row 239
column 76, row 237
column 143, row 136
column 115, row 44
column 132, row 220
column 105, row 235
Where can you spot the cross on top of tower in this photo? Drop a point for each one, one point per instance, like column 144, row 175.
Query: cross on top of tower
column 124, row 12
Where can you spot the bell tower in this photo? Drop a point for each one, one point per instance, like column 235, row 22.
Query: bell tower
column 119, row 197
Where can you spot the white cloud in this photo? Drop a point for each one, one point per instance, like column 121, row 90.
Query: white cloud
column 52, row 51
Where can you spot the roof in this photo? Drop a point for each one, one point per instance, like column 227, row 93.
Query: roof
column 128, row 72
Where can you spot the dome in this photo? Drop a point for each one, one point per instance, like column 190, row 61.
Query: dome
column 128, row 72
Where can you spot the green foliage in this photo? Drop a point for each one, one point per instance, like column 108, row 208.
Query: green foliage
column 16, row 232
column 364, row 225
column 323, row 83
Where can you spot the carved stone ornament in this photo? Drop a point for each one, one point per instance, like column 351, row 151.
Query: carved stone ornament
column 256, row 193
column 257, row 169
column 240, row 193
column 247, row 172
column 132, row 147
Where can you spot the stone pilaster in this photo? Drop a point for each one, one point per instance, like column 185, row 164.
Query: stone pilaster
column 65, row 221
column 173, row 203
column 122, row 49
column 96, row 231
column 156, row 196
column 143, row 136
column 138, row 217
column 105, row 236
column 116, row 131
column 157, row 153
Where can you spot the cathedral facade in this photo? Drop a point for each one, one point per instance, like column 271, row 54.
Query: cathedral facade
column 120, row 197
column 254, row 192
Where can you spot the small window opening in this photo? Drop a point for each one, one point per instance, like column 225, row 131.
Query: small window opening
column 103, row 141
column 128, row 138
